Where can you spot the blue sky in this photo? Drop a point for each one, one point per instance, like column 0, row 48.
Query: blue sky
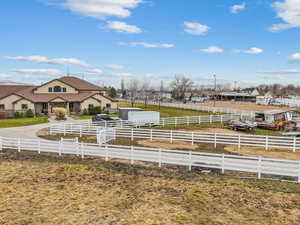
column 250, row 41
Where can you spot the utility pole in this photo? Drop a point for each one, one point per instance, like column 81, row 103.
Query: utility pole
column 215, row 94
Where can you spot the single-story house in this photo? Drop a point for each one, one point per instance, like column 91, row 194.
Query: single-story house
column 71, row 93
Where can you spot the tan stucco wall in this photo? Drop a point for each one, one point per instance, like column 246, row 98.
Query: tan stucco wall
column 8, row 101
column 105, row 101
column 57, row 100
column 18, row 105
column 85, row 104
column 44, row 89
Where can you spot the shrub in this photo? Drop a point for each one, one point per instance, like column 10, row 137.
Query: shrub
column 60, row 113
column 85, row 112
column 95, row 110
column 18, row 115
column 29, row 113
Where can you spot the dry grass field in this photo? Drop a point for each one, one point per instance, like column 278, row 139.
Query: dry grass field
column 244, row 106
column 48, row 189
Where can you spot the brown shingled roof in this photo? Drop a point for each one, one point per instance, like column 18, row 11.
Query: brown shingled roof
column 80, row 84
column 29, row 95
column 6, row 90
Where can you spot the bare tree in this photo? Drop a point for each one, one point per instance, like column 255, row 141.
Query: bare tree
column 123, row 91
column 145, row 91
column 180, row 85
column 133, row 89
column 161, row 91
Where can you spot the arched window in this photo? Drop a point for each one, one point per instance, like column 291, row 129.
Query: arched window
column 57, row 88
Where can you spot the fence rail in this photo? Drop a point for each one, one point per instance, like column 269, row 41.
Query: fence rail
column 239, row 140
column 198, row 107
column 257, row 165
column 187, row 120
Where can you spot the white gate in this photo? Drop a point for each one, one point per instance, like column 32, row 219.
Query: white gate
column 104, row 135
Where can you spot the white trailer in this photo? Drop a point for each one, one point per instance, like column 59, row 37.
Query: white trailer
column 144, row 117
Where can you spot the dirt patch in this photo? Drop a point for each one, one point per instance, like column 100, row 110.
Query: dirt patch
column 167, row 145
column 45, row 189
column 259, row 151
column 243, row 106
column 221, row 130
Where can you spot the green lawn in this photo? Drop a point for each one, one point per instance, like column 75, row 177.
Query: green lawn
column 82, row 117
column 167, row 111
column 22, row 122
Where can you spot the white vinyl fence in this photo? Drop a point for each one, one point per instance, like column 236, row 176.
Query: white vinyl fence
column 91, row 126
column 239, row 140
column 198, row 107
column 105, row 135
column 256, row 165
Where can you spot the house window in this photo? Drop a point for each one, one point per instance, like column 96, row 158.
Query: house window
column 50, row 89
column 64, row 89
column 57, row 88
column 24, row 106
column 108, row 106
column 2, row 107
column 91, row 106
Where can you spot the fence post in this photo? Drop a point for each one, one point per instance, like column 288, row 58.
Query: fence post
column 190, row 161
column 50, row 129
column 159, row 158
column 131, row 134
column 192, row 138
column 106, row 152
column 1, row 143
column 39, row 146
column 80, row 131
column 223, row 164
column 294, row 145
column 131, row 155
column 239, row 143
column 176, row 121
column 267, row 142
column 105, row 124
column 19, row 145
column 221, row 118
column 64, row 129
column 171, row 136
column 215, row 145
column 210, row 119
column 199, row 119
column 188, row 121
column 259, row 168
column 60, row 147
column 82, row 150
column 151, row 135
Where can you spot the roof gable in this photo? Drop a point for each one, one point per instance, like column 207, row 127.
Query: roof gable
column 80, row 84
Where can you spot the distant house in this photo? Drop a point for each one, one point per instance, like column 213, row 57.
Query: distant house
column 247, row 95
column 71, row 93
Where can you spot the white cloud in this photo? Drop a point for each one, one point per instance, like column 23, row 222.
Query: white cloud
column 121, row 74
column 237, row 8
column 195, row 28
column 211, row 49
column 295, row 57
column 252, row 51
column 123, row 27
column 101, row 9
column 39, row 71
column 55, row 61
column 285, row 71
column 146, row 45
column 3, row 75
column 115, row 66
column 289, row 12
column 95, row 71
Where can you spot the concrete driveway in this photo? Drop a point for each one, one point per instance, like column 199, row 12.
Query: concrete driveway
column 30, row 131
